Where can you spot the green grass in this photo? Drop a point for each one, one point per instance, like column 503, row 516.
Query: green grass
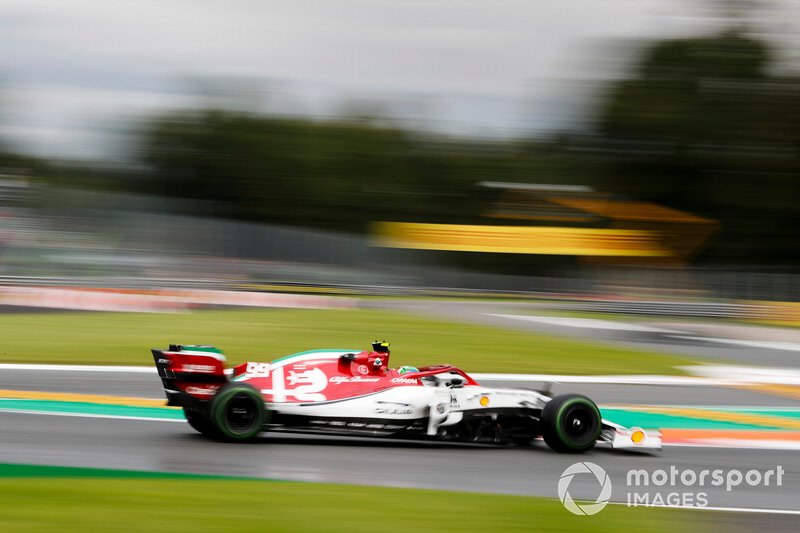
column 197, row 505
column 263, row 335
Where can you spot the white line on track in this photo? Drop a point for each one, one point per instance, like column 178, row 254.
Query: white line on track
column 747, row 374
column 611, row 380
column 742, row 408
column 786, row 346
column 738, row 444
column 711, row 381
column 608, row 380
column 773, row 444
column 752, row 510
column 90, row 415
column 587, row 323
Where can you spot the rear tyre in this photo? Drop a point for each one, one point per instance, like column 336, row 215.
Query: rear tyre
column 199, row 421
column 237, row 412
column 570, row 423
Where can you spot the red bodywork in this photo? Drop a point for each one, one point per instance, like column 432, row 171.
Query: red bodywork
column 316, row 378
column 307, row 377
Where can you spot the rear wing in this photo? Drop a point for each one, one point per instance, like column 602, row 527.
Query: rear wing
column 190, row 373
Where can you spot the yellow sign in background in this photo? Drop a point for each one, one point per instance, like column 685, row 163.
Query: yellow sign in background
column 546, row 240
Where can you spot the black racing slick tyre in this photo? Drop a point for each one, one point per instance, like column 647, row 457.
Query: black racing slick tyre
column 199, row 421
column 570, row 423
column 237, row 412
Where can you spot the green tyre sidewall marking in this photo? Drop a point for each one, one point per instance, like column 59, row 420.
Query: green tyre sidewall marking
column 565, row 440
column 220, row 404
column 559, row 430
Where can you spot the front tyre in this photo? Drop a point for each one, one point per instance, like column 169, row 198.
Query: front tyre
column 570, row 423
column 237, row 412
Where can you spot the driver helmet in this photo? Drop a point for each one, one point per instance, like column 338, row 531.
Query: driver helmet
column 379, row 355
column 407, row 369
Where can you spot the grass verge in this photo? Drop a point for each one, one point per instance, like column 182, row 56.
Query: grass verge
column 263, row 335
column 78, row 503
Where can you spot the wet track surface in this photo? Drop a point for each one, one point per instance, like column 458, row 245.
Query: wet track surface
column 147, row 385
column 142, row 385
column 173, row 446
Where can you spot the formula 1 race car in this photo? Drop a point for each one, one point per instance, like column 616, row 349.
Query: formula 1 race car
column 342, row 392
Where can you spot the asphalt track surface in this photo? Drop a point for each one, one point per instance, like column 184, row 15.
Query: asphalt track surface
column 147, row 385
column 172, row 446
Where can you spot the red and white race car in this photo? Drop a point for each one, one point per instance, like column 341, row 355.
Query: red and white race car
column 345, row 392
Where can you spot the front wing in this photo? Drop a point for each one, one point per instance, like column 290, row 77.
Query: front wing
column 619, row 437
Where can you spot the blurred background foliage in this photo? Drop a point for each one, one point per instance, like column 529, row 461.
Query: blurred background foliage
column 701, row 124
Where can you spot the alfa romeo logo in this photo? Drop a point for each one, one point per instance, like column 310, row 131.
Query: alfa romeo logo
column 583, row 469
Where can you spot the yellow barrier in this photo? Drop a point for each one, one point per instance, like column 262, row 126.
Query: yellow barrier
column 774, row 313
column 546, row 240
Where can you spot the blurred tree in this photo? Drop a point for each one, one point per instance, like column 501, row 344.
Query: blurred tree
column 338, row 174
column 702, row 125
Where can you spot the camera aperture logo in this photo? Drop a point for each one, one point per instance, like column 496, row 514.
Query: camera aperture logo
column 664, row 487
column 585, row 468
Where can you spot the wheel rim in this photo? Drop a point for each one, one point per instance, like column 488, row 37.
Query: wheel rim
column 241, row 413
column 579, row 423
